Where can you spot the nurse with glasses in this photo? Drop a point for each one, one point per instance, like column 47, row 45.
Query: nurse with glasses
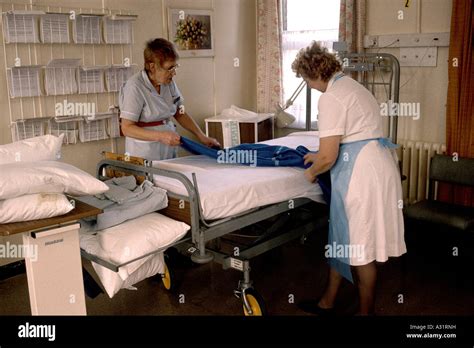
column 147, row 102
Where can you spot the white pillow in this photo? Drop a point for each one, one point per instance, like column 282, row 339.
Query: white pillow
column 127, row 241
column 112, row 282
column 138, row 237
column 33, row 207
column 44, row 148
column 22, row 178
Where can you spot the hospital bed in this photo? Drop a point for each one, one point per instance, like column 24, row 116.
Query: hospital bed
column 216, row 200
column 197, row 186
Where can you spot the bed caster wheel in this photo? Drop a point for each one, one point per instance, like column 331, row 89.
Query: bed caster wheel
column 253, row 303
column 168, row 279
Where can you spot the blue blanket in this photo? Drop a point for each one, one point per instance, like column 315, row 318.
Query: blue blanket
column 260, row 155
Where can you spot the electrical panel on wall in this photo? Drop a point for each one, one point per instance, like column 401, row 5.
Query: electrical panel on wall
column 51, row 92
column 407, row 40
column 417, row 49
column 418, row 56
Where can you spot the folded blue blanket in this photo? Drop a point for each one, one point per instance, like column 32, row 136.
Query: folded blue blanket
column 260, row 155
column 125, row 201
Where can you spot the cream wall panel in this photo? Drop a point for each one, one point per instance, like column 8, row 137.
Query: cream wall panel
column 237, row 42
column 428, row 86
column 435, row 16
column 192, row 4
column 382, row 17
column 424, row 85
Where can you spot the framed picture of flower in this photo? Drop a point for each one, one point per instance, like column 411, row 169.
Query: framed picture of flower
column 191, row 32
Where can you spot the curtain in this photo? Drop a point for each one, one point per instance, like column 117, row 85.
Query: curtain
column 352, row 24
column 269, row 84
column 459, row 112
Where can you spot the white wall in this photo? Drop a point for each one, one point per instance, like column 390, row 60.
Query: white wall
column 426, row 85
column 208, row 84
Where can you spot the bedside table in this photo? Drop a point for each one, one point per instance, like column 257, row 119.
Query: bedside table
column 232, row 132
column 54, row 267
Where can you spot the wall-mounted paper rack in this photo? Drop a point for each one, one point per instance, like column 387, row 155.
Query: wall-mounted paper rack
column 24, row 81
column 118, row 29
column 28, row 128
column 54, row 28
column 86, row 28
column 20, row 26
column 60, row 76
column 91, row 79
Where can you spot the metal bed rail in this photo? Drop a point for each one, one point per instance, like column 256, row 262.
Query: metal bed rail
column 203, row 231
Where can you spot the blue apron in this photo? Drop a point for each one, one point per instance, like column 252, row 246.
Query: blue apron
column 341, row 174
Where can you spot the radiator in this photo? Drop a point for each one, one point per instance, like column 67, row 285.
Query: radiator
column 415, row 159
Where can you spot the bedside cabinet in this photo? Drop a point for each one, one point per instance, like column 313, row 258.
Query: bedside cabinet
column 232, row 132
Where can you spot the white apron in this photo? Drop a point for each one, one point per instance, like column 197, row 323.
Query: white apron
column 366, row 218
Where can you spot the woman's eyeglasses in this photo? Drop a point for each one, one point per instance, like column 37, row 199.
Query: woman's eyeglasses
column 171, row 69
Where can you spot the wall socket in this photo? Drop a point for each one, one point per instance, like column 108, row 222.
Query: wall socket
column 418, row 56
column 372, row 41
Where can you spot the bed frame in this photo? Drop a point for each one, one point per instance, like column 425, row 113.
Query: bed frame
column 373, row 70
column 197, row 244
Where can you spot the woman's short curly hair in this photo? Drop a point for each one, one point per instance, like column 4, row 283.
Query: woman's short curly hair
column 315, row 62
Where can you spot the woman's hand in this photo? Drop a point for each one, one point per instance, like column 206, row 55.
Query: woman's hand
column 308, row 174
column 310, row 158
column 211, row 142
column 169, row 138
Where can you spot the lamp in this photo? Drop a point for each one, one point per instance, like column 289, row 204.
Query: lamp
column 283, row 118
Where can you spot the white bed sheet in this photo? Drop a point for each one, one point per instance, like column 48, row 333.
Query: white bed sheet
column 227, row 190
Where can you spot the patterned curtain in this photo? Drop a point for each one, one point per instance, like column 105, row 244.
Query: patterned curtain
column 269, row 85
column 352, row 24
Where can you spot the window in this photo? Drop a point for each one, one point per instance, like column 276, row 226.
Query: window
column 305, row 21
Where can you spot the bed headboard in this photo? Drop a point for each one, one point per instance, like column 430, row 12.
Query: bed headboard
column 116, row 173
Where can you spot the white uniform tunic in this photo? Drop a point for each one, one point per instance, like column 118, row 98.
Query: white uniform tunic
column 139, row 101
column 370, row 209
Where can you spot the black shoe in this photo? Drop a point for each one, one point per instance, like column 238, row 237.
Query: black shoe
column 311, row 306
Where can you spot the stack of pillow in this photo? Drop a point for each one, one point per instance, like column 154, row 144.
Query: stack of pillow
column 33, row 183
